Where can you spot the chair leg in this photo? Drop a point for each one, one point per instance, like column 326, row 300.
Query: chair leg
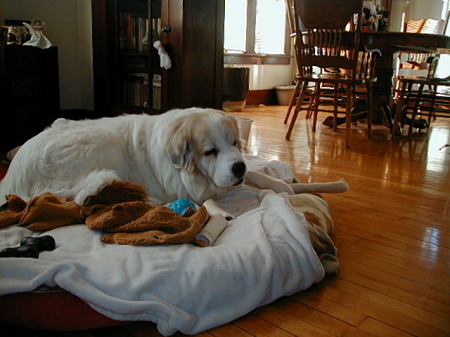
column 369, row 110
column 312, row 101
column 416, row 107
column 297, row 110
column 335, row 110
column 292, row 102
column 316, row 103
column 348, row 115
column 399, row 112
column 406, row 99
column 431, row 113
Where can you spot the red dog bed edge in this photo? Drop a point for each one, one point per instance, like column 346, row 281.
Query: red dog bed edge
column 50, row 311
column 57, row 311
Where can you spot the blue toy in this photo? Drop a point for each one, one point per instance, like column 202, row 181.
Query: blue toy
column 182, row 205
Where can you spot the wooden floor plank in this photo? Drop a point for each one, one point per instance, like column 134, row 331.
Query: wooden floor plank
column 355, row 332
column 312, row 316
column 288, row 322
column 334, row 309
column 379, row 312
column 403, row 290
column 230, row 330
column 438, row 323
column 259, row 327
column 434, row 281
column 399, row 257
column 381, row 329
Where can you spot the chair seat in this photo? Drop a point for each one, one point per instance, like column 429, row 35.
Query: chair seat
column 425, row 80
column 338, row 78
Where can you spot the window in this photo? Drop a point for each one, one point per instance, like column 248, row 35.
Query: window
column 270, row 27
column 235, row 38
column 256, row 32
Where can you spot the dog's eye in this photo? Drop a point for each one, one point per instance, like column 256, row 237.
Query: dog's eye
column 212, row 152
column 235, row 143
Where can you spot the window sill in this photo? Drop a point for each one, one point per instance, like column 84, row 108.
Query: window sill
column 237, row 58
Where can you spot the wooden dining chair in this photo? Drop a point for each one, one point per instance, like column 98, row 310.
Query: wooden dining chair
column 298, row 83
column 416, row 107
column 417, row 91
column 418, row 61
column 330, row 58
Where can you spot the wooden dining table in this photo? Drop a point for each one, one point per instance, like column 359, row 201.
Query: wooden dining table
column 389, row 43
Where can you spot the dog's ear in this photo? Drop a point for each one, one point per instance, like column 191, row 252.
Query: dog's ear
column 241, row 142
column 179, row 146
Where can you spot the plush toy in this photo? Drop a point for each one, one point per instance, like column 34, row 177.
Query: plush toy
column 133, row 222
column 46, row 212
column 11, row 211
column 183, row 206
column 159, row 225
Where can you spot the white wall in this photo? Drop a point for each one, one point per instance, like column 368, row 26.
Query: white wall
column 268, row 76
column 421, row 9
column 86, row 55
column 68, row 27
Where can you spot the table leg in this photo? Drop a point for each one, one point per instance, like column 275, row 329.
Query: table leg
column 382, row 88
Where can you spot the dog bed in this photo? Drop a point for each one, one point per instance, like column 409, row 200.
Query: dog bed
column 264, row 253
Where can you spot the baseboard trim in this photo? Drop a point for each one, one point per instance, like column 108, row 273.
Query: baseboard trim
column 266, row 97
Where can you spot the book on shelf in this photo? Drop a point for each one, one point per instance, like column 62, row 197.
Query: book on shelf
column 156, row 87
column 133, row 32
column 136, row 90
column 156, row 29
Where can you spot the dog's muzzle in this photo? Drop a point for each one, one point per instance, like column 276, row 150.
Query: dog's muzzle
column 239, row 170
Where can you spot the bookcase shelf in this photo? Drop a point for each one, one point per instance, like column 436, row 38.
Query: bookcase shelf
column 127, row 73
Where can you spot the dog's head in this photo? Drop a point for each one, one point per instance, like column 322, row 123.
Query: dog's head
column 206, row 142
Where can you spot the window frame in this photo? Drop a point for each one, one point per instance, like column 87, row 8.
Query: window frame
column 250, row 57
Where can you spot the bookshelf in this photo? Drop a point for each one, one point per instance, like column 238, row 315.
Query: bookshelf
column 128, row 77
column 29, row 92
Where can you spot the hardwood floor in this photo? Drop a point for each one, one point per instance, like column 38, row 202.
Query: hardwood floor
column 392, row 231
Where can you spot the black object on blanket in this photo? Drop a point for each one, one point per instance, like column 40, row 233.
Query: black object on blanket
column 30, row 247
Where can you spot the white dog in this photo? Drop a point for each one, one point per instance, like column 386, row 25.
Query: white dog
column 192, row 153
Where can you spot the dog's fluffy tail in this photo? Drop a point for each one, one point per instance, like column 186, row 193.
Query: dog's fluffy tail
column 93, row 183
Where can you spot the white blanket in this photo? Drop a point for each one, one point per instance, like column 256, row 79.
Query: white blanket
column 265, row 253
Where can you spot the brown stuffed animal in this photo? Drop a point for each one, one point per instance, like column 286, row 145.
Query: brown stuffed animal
column 42, row 213
column 46, row 212
column 12, row 211
column 115, row 215
column 120, row 208
column 159, row 225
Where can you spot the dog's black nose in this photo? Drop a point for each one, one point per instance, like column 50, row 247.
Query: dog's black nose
column 238, row 169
